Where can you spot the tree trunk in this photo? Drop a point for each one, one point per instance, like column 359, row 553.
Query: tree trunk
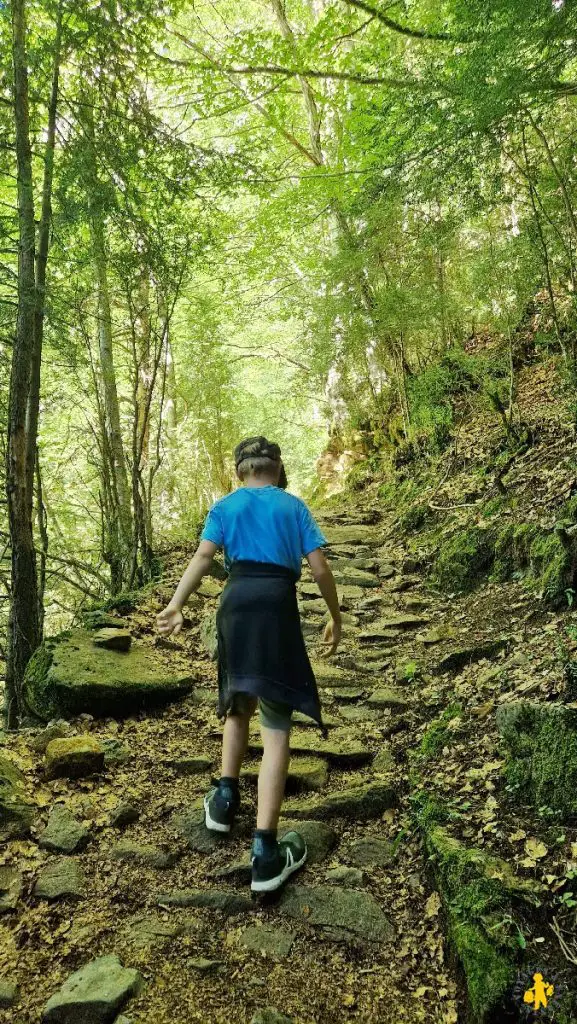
column 24, row 626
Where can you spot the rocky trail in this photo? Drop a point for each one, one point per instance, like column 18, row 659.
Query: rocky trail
column 116, row 900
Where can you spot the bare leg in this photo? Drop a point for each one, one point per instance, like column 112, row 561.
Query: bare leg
column 272, row 776
column 235, row 740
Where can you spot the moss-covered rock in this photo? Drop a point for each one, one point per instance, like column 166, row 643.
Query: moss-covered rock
column 541, row 741
column 464, row 559
column 480, row 894
column 16, row 810
column 74, row 757
column 69, row 675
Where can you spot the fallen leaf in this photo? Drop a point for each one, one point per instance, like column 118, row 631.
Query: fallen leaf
column 535, row 849
column 433, row 905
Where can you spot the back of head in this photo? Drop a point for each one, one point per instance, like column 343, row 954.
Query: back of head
column 256, row 456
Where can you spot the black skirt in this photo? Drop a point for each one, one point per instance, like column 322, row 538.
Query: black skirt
column 261, row 650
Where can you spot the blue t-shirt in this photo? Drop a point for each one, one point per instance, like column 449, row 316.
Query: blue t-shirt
column 263, row 524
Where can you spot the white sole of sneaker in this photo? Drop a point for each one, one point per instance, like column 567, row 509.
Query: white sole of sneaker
column 214, row 826
column 271, row 884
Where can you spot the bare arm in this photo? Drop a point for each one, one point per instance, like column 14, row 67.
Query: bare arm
column 170, row 620
column 325, row 581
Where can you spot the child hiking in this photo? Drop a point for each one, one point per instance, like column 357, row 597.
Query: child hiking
column 262, row 659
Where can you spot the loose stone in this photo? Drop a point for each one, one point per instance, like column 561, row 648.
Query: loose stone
column 63, row 833
column 94, row 994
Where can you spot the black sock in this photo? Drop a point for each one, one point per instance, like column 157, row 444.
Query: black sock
column 264, row 842
column 227, row 782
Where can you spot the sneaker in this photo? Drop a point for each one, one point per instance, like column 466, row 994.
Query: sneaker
column 269, row 873
column 220, row 807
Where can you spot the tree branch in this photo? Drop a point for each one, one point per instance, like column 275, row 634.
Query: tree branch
column 405, row 30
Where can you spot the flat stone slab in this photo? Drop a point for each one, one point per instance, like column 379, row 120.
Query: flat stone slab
column 147, row 930
column 360, row 713
column 112, row 638
column 460, row 658
column 348, row 694
column 362, row 802
column 355, row 577
column 374, row 634
column 225, row 901
column 267, row 939
column 94, row 994
column 68, row 677
column 302, row 720
column 189, row 765
column 142, row 853
column 367, row 564
column 340, row 753
column 63, row 832
column 74, row 757
column 352, row 535
column 337, row 908
column 389, row 697
column 10, row 889
column 307, row 773
column 370, row 853
column 61, row 879
column 16, row 809
column 346, row 592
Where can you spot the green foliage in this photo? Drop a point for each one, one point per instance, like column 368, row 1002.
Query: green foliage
column 541, row 741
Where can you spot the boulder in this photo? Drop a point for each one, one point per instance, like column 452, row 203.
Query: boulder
column 345, row 876
column 16, row 810
column 94, row 994
column 63, row 833
column 69, row 675
column 74, row 757
column 346, row 910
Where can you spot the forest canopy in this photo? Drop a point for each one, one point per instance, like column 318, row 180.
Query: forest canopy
column 223, row 218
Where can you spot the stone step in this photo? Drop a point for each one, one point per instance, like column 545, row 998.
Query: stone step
column 355, row 577
column 389, row 697
column 352, row 535
column 304, row 774
column 340, row 753
column 339, row 910
column 362, row 802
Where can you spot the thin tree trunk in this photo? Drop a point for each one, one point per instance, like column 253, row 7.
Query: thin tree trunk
column 24, row 626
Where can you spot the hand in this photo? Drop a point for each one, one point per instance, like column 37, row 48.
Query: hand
column 169, row 621
column 332, row 636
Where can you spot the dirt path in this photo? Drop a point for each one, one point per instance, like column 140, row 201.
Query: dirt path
column 356, row 937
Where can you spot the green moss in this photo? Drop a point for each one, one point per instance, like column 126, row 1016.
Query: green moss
column 36, row 680
column 513, row 549
column 488, row 972
column 478, row 893
column 464, row 559
column 437, row 735
column 428, row 809
column 552, row 565
column 541, row 742
column 415, row 518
